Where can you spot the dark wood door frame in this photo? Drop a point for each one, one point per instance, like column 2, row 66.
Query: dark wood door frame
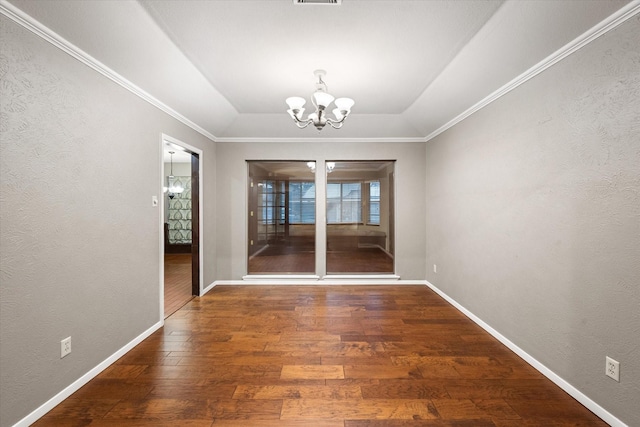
column 195, row 224
column 194, row 247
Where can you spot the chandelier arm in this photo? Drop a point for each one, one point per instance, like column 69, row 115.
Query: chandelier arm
column 302, row 126
column 336, row 124
column 302, row 123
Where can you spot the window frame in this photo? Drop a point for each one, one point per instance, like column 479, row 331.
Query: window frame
column 369, row 202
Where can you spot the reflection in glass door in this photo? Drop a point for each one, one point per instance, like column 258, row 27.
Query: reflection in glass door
column 270, row 211
column 359, row 217
column 282, row 217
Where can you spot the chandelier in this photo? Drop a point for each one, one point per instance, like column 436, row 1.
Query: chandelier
column 321, row 100
column 172, row 187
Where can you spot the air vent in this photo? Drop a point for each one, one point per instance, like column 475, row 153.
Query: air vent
column 317, row 1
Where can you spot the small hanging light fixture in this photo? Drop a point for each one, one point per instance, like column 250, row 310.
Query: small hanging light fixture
column 172, row 187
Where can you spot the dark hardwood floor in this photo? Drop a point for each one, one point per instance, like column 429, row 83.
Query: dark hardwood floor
column 281, row 258
column 177, row 282
column 291, row 259
column 362, row 260
column 347, row 356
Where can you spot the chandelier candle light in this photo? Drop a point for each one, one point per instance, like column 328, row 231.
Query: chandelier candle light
column 321, row 100
column 330, row 166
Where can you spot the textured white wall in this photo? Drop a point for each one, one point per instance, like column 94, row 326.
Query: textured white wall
column 79, row 243
column 533, row 217
column 232, row 200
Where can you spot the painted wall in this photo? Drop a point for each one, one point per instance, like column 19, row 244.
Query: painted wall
column 80, row 240
column 533, row 217
column 231, row 233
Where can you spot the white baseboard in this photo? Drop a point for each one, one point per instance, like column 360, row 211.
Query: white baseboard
column 329, row 280
column 75, row 386
column 275, row 279
column 208, row 288
column 560, row 382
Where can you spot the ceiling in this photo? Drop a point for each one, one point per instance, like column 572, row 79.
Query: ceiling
column 179, row 154
column 226, row 66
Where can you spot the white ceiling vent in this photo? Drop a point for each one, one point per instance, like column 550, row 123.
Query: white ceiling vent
column 317, row 1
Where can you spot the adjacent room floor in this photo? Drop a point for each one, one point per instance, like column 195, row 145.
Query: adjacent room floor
column 177, row 282
column 343, row 356
column 291, row 259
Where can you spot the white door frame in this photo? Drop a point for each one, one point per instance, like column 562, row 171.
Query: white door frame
column 164, row 140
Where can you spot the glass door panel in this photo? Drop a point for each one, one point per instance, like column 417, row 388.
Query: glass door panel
column 282, row 217
column 359, row 217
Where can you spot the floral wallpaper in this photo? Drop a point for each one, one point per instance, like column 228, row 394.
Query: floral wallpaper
column 179, row 212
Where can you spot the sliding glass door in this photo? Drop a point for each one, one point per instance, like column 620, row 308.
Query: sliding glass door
column 282, row 218
column 282, row 226
column 359, row 217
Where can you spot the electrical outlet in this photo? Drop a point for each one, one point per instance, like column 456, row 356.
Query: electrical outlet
column 435, row 268
column 612, row 369
column 65, row 347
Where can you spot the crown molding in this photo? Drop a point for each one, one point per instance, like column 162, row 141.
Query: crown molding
column 27, row 22
column 319, row 140
column 598, row 30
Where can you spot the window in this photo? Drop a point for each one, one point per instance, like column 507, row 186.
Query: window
column 302, row 202
column 271, row 202
column 374, row 202
column 344, row 203
column 266, row 202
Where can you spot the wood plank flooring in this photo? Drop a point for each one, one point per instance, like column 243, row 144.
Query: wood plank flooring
column 291, row 259
column 361, row 260
column 349, row 356
column 177, row 282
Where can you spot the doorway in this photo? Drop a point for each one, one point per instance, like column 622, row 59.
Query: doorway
column 181, row 225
